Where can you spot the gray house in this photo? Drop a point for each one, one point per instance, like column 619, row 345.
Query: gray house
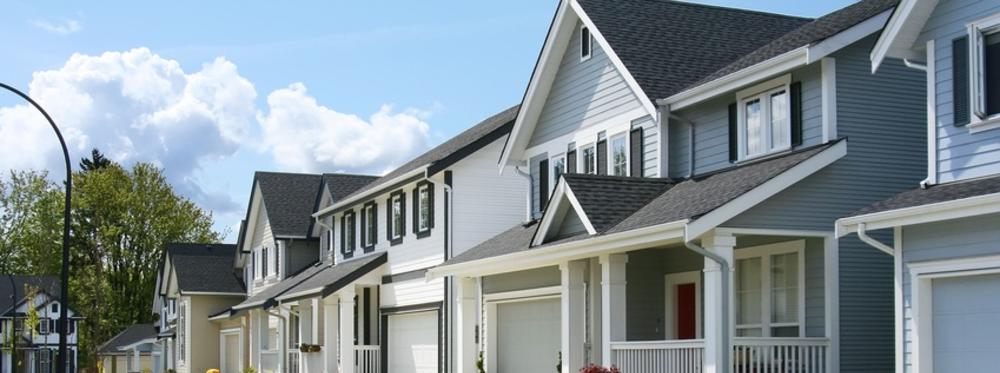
column 946, row 231
column 687, row 167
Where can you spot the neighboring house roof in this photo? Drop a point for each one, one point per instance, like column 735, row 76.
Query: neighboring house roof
column 690, row 199
column 46, row 284
column 342, row 185
column 935, row 194
column 450, row 151
column 810, row 33
column 289, row 200
column 261, row 298
column 668, row 45
column 206, row 268
column 318, row 279
column 129, row 336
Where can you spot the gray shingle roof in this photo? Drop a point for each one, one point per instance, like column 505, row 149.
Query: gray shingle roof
column 48, row 284
column 809, row 33
column 280, row 288
column 688, row 199
column 331, row 278
column 447, row 152
column 606, row 200
column 205, row 267
column 342, row 185
column 935, row 194
column 668, row 45
column 130, row 335
column 289, row 200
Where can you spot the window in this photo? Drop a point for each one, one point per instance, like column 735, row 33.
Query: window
column 586, row 43
column 263, row 262
column 589, row 159
column 619, row 156
column 55, row 308
column 985, row 73
column 769, row 294
column 293, row 328
column 43, row 326
column 558, row 168
column 370, row 225
column 276, row 268
column 398, row 216
column 45, row 360
column 348, row 232
column 765, row 119
column 329, row 242
column 182, row 333
column 424, row 216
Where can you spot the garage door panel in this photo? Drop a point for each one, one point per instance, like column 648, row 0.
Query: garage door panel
column 528, row 336
column 966, row 322
column 413, row 343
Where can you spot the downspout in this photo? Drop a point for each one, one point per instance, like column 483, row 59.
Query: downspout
column 927, row 181
column 863, row 235
column 724, row 267
column 914, row 65
column 526, row 176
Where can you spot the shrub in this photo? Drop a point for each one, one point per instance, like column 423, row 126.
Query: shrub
column 599, row 369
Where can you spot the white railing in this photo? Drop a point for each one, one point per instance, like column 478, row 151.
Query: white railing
column 269, row 361
column 679, row 356
column 780, row 355
column 293, row 362
column 367, row 359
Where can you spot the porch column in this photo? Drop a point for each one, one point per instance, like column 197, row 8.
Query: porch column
column 613, row 283
column 135, row 359
column 718, row 321
column 574, row 309
column 347, row 329
column 465, row 325
column 330, row 338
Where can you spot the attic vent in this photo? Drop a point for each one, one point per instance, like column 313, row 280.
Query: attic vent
column 586, row 42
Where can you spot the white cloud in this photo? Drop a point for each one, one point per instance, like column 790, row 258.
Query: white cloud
column 303, row 135
column 65, row 27
column 134, row 106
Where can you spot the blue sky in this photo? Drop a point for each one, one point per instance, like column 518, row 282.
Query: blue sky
column 237, row 73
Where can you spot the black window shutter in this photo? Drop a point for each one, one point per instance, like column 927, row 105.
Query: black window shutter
column 733, row 138
column 602, row 157
column 960, row 79
column 374, row 218
column 364, row 227
column 343, row 226
column 543, row 184
column 388, row 219
column 795, row 102
column 635, row 152
column 430, row 205
column 416, row 209
column 402, row 212
column 571, row 162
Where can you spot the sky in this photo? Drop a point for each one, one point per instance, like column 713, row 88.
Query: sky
column 212, row 91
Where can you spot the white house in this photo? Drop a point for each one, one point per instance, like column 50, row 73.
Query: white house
column 131, row 350
column 36, row 349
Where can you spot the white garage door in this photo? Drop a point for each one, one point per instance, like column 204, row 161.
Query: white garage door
column 528, row 336
column 966, row 324
column 413, row 343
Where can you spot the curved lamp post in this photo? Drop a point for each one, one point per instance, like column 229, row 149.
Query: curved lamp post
column 64, row 276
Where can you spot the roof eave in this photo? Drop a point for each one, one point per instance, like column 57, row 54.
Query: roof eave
column 366, row 194
column 888, row 44
column 929, row 213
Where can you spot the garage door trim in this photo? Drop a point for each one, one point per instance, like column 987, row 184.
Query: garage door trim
column 921, row 289
column 402, row 310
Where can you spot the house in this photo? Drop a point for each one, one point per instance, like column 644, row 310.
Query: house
column 131, row 350
column 687, row 167
column 195, row 281
column 942, row 235
column 366, row 306
column 36, row 350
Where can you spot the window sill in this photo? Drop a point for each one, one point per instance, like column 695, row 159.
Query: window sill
column 396, row 241
column 770, row 154
column 992, row 122
column 424, row 233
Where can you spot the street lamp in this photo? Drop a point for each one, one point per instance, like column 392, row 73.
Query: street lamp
column 64, row 276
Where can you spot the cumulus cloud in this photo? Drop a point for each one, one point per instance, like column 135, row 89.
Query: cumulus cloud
column 64, row 27
column 303, row 135
column 134, row 106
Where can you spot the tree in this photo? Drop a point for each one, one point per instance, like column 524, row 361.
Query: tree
column 30, row 223
column 96, row 161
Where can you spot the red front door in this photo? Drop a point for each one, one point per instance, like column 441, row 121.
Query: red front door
column 686, row 311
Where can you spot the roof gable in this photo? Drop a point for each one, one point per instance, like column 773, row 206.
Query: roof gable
column 902, row 30
column 288, row 199
column 204, row 268
column 48, row 285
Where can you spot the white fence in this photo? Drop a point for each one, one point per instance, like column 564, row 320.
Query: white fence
column 293, row 362
column 780, row 355
column 681, row 356
column 367, row 359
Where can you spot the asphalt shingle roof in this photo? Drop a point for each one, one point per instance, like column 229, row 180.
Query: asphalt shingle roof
column 280, row 288
column 809, row 33
column 48, row 284
column 289, row 200
column 668, row 45
column 935, row 194
column 205, row 267
column 130, row 335
column 342, row 185
column 687, row 199
column 332, row 278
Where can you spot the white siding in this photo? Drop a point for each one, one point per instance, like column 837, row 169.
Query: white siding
column 485, row 202
column 412, row 292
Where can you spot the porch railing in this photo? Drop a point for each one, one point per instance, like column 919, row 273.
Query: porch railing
column 293, row 361
column 680, row 356
column 269, row 361
column 780, row 355
column 367, row 359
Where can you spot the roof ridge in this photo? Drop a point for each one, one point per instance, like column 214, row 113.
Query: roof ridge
column 616, row 177
column 740, row 10
column 348, row 174
column 286, row 173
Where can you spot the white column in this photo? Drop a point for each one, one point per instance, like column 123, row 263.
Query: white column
column 330, row 336
column 613, row 284
column 316, row 321
column 718, row 322
column 135, row 360
column 465, row 325
column 574, row 303
column 347, row 329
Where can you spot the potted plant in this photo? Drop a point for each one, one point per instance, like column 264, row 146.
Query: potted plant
column 599, row 369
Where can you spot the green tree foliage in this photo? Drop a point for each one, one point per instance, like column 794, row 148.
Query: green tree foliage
column 95, row 162
column 30, row 223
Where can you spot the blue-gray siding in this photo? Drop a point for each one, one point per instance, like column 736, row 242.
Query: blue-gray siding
column 650, row 150
column 961, row 155
column 961, row 238
column 522, row 280
column 584, row 93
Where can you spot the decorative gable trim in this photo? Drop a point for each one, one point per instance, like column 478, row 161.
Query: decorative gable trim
column 560, row 32
column 563, row 202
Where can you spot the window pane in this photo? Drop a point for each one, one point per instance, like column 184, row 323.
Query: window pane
column 749, row 332
column 785, row 288
column 619, row 158
column 785, row 331
column 779, row 120
column 558, row 168
column 754, row 130
column 991, row 64
column 748, row 291
column 397, row 217
column 425, row 209
column 589, row 162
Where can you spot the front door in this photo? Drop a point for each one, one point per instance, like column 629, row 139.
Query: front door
column 683, row 305
column 686, row 311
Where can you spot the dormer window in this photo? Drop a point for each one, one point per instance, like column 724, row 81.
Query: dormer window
column 764, row 119
column 586, row 43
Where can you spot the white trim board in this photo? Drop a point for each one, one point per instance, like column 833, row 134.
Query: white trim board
column 957, row 209
column 557, row 210
column 901, row 31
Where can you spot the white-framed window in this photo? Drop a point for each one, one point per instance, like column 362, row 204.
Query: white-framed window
column 265, row 261
column 371, row 225
column 329, row 242
column 424, row 205
column 348, row 233
column 558, row 164
column 43, row 326
column 588, row 159
column 276, row 268
column 586, row 43
column 398, row 223
column 764, row 118
column 618, row 161
column 45, row 360
column 294, row 337
column 182, row 332
column 769, row 287
column 55, row 307
column 984, row 61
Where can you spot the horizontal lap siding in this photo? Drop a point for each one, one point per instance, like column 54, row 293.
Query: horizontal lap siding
column 645, row 288
column 485, row 202
column 961, row 155
column 584, row 93
column 406, row 293
column 522, row 280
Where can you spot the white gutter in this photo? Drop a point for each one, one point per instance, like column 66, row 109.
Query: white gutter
column 526, row 176
column 914, row 65
column 359, row 197
column 966, row 207
column 863, row 235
